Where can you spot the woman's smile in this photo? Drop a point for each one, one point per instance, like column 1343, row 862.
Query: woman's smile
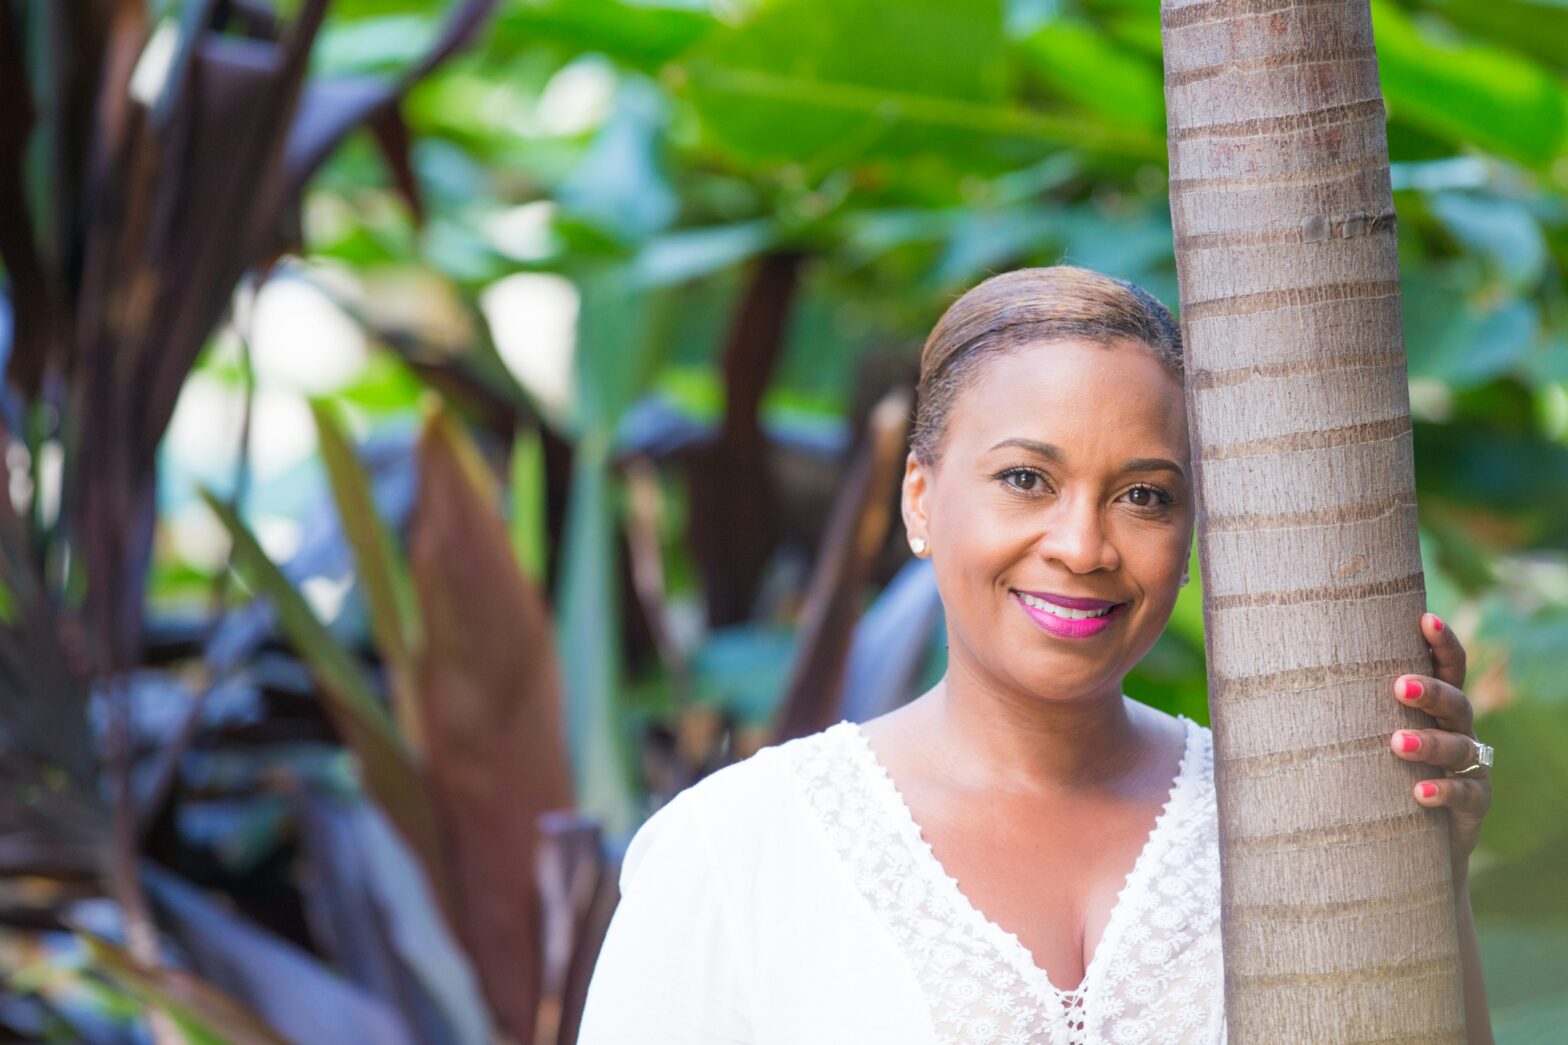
column 1068, row 622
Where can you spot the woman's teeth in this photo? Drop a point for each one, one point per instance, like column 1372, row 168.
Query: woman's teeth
column 1061, row 611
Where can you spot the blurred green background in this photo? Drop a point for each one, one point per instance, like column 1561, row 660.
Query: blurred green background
column 571, row 336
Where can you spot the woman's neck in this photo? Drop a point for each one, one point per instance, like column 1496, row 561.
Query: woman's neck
column 985, row 737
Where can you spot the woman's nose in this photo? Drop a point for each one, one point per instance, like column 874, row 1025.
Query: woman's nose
column 1075, row 536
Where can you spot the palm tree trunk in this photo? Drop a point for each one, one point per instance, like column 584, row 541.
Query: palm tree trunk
column 1339, row 915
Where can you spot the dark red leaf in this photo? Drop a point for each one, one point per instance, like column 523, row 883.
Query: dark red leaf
column 735, row 508
column 490, row 695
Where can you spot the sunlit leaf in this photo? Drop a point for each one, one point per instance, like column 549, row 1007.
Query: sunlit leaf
column 394, row 615
column 527, row 492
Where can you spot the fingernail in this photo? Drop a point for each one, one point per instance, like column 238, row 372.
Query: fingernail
column 1427, row 788
column 1409, row 689
column 1409, row 741
column 1437, row 622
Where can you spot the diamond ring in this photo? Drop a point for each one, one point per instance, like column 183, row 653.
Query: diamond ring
column 1483, row 757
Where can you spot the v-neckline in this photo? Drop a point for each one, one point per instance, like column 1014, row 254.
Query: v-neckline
column 1006, row 944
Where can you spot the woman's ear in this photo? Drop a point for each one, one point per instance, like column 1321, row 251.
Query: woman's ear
column 915, row 487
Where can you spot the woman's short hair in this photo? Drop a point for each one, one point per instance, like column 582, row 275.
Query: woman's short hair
column 1021, row 307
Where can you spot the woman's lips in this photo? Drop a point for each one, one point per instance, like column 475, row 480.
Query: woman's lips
column 1070, row 629
column 1070, row 601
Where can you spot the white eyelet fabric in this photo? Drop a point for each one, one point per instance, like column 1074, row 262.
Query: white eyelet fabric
column 1156, row 974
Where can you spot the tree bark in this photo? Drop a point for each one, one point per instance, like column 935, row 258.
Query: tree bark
column 1339, row 915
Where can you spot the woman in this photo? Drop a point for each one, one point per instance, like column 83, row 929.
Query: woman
column 1023, row 853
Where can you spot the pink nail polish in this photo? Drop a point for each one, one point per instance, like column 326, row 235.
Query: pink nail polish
column 1427, row 789
column 1437, row 622
column 1409, row 742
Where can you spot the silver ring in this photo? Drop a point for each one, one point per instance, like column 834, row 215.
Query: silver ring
column 1483, row 757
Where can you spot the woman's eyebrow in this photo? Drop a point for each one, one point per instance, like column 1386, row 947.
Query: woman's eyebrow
column 1135, row 464
column 1050, row 450
column 1152, row 464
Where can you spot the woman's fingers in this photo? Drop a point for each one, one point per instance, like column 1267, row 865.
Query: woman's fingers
column 1459, row 794
column 1444, row 701
column 1452, row 745
column 1435, row 747
column 1448, row 656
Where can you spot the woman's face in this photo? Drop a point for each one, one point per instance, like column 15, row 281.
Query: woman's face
column 1064, row 475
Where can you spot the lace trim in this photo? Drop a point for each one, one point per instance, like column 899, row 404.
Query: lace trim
column 982, row 982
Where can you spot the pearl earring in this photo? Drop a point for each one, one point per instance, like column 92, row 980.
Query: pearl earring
column 918, row 545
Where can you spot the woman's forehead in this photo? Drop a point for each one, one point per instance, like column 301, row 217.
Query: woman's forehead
column 1072, row 390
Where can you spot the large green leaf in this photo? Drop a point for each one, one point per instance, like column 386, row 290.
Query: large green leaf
column 826, row 85
column 642, row 35
column 1470, row 93
column 381, row 44
column 1538, row 28
column 1080, row 62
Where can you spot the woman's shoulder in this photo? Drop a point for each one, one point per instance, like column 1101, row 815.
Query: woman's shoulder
column 744, row 786
column 738, row 810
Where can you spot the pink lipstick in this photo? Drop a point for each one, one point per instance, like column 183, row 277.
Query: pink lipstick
column 1071, row 629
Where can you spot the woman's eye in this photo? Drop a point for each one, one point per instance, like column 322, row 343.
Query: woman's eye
column 1149, row 497
column 1024, row 480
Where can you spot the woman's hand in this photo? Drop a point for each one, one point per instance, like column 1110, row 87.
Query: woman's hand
column 1449, row 746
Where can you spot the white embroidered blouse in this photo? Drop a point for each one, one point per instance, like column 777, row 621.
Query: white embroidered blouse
column 790, row 898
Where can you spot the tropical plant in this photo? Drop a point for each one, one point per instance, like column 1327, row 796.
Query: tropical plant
column 671, row 259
